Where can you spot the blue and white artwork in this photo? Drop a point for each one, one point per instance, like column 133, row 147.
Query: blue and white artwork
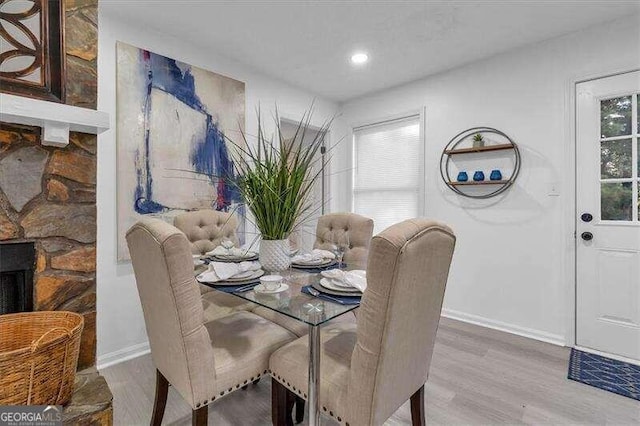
column 172, row 119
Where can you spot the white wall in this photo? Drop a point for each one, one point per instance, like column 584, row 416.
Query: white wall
column 512, row 266
column 121, row 331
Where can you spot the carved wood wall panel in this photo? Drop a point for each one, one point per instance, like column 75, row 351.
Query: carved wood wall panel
column 32, row 48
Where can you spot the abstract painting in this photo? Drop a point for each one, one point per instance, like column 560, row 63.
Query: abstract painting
column 172, row 153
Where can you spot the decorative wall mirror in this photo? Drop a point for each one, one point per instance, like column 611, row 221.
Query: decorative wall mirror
column 31, row 48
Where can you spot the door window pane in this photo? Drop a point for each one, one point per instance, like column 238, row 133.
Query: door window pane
column 616, row 159
column 616, row 201
column 615, row 117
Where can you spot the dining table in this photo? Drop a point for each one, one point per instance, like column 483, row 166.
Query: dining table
column 308, row 309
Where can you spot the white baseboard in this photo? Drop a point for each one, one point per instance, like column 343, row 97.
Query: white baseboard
column 555, row 339
column 121, row 355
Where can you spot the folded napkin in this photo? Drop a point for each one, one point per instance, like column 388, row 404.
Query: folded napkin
column 233, row 251
column 355, row 278
column 221, row 271
column 314, row 256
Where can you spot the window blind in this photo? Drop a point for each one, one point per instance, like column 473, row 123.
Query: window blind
column 388, row 163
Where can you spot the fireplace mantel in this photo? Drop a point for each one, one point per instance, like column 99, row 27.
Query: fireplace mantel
column 56, row 119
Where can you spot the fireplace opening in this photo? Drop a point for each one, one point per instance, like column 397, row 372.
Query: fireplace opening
column 17, row 262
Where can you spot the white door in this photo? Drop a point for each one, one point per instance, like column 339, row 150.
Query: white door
column 305, row 236
column 608, row 226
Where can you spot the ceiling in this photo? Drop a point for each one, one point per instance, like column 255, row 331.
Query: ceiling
column 308, row 43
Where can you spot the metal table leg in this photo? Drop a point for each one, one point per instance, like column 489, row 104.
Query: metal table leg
column 314, row 375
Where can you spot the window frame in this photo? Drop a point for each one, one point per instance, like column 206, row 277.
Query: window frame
column 420, row 114
column 634, row 179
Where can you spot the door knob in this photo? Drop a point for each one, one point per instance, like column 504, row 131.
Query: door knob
column 587, row 236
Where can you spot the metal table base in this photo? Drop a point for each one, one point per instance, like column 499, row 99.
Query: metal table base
column 314, row 375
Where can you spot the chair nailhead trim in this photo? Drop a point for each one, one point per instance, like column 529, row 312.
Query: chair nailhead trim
column 198, row 405
column 339, row 419
column 245, row 382
column 230, row 389
column 324, row 408
column 331, row 413
column 221, row 393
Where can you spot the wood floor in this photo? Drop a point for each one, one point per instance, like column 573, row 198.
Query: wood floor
column 478, row 376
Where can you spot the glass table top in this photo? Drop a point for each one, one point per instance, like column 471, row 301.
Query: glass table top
column 295, row 304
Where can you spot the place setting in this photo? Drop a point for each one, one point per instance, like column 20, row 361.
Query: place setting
column 228, row 252
column 336, row 285
column 316, row 260
column 232, row 277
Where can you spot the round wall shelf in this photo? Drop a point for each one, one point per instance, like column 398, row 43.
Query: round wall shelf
column 454, row 148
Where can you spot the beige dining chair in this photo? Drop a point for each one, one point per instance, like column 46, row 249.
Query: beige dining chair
column 205, row 230
column 203, row 361
column 358, row 228
column 369, row 369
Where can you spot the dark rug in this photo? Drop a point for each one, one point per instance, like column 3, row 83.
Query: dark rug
column 605, row 373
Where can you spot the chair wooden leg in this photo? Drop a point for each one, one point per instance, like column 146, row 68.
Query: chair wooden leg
column 299, row 409
column 162, row 389
column 200, row 416
column 417, row 408
column 280, row 405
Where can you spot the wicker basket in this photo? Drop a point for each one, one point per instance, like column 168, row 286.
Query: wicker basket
column 38, row 357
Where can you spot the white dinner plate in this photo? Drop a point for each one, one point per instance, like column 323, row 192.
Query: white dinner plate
column 333, row 285
column 253, row 277
column 316, row 264
column 246, row 275
column 232, row 258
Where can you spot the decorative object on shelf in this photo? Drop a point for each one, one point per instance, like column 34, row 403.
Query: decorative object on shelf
column 478, row 176
column 478, row 140
column 276, row 180
column 32, row 52
column 463, row 177
column 459, row 145
column 172, row 121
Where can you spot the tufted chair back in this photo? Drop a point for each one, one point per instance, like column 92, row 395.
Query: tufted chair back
column 360, row 230
column 407, row 274
column 205, row 229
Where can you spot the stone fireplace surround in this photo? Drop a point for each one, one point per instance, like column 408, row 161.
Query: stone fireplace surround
column 48, row 197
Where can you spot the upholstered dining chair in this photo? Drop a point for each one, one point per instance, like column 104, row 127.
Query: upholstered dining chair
column 203, row 361
column 359, row 228
column 369, row 369
column 205, row 230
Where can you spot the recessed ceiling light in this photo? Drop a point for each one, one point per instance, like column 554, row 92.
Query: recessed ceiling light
column 359, row 58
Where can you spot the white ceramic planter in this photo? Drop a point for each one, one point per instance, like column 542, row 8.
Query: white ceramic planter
column 274, row 255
